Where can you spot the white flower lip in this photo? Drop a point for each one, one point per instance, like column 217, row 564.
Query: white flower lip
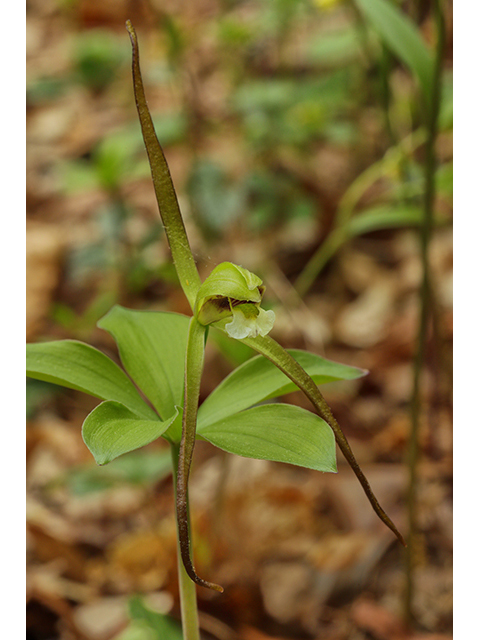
column 243, row 326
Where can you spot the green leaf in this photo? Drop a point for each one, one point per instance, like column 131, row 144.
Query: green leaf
column 152, row 347
column 111, row 430
column 136, row 630
column 258, row 379
column 403, row 37
column 384, row 217
column 445, row 117
column 76, row 365
column 278, row 432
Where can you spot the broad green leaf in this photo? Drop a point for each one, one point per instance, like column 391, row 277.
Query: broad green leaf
column 384, row 217
column 76, row 365
column 403, row 37
column 278, row 432
column 259, row 379
column 111, row 430
column 152, row 348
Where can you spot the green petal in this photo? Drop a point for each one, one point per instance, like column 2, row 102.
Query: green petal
column 245, row 325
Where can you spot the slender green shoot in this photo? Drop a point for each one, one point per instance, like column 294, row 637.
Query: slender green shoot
column 425, row 311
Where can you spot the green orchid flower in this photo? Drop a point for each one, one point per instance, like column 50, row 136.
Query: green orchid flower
column 232, row 291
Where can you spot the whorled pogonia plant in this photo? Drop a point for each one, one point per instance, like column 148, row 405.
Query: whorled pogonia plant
column 230, row 300
column 162, row 354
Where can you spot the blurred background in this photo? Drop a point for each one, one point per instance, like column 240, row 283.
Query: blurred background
column 296, row 142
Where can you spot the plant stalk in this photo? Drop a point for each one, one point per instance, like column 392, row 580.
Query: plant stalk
column 340, row 231
column 187, row 588
column 425, row 234
column 193, row 372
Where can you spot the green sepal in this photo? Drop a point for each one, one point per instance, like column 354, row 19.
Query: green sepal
column 227, row 286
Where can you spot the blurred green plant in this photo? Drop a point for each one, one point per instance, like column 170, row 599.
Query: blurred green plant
column 147, row 624
column 403, row 206
column 403, row 38
column 292, row 112
column 97, row 57
column 215, row 200
column 138, row 468
column 38, row 394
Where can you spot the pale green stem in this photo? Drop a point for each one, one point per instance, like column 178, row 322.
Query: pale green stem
column 193, row 373
column 425, row 234
column 290, row 367
column 163, row 185
column 187, row 588
column 341, row 231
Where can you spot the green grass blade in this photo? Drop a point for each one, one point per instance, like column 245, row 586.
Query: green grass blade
column 402, row 37
column 384, row 217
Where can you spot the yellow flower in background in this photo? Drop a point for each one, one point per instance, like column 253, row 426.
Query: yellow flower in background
column 326, row 4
